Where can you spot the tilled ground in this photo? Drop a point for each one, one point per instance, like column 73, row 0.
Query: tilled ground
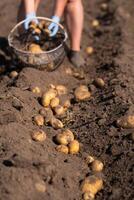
column 23, row 162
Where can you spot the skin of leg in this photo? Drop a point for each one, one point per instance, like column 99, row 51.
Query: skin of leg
column 27, row 6
column 36, row 4
column 74, row 20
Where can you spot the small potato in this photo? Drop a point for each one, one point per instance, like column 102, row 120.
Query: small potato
column 50, row 66
column 97, row 166
column 126, row 122
column 48, row 96
column 39, row 136
column 65, row 137
column 89, row 50
column 39, row 120
column 95, row 23
column 56, row 123
column 40, row 187
column 61, row 89
column 92, row 184
column 61, row 139
column 54, row 102
column 69, row 135
column 35, row 48
column 47, row 114
column 89, row 159
column 67, row 104
column 62, row 149
column 74, row 147
column 37, row 31
column 42, row 24
column 81, row 93
column 104, row 6
column 59, row 110
column 13, row 74
column 36, row 90
column 32, row 25
column 99, row 82
column 47, row 32
column 69, row 71
column 88, row 196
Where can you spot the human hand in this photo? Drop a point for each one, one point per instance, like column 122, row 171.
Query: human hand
column 53, row 27
column 30, row 17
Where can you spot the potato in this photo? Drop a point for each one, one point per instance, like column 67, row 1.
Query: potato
column 54, row 102
column 104, row 6
column 89, row 159
column 69, row 135
column 61, row 139
column 95, row 23
column 56, row 123
column 32, row 25
column 82, row 93
column 39, row 136
column 92, row 184
column 37, row 31
column 67, row 104
column 40, row 187
column 50, row 66
column 83, row 88
column 47, row 114
column 52, row 86
column 89, row 50
column 69, row 71
column 36, row 90
column 99, row 82
column 42, row 24
column 126, row 122
column 61, row 89
column 97, row 166
column 62, row 149
column 39, row 120
column 35, row 48
column 13, row 74
column 59, row 110
column 74, row 147
column 88, row 196
column 47, row 32
column 65, row 137
column 48, row 96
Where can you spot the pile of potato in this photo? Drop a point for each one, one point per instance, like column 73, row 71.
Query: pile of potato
column 66, row 142
column 92, row 184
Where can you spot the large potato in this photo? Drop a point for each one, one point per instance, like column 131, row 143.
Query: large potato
column 82, row 93
column 35, row 48
column 92, row 184
column 65, row 137
column 61, row 89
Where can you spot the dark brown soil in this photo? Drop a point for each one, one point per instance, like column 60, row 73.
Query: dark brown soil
column 23, row 162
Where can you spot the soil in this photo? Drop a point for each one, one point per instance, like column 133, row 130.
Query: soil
column 24, row 162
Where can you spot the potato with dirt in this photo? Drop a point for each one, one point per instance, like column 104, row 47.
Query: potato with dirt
column 82, row 93
column 126, row 122
column 64, row 137
column 39, row 136
column 92, row 184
